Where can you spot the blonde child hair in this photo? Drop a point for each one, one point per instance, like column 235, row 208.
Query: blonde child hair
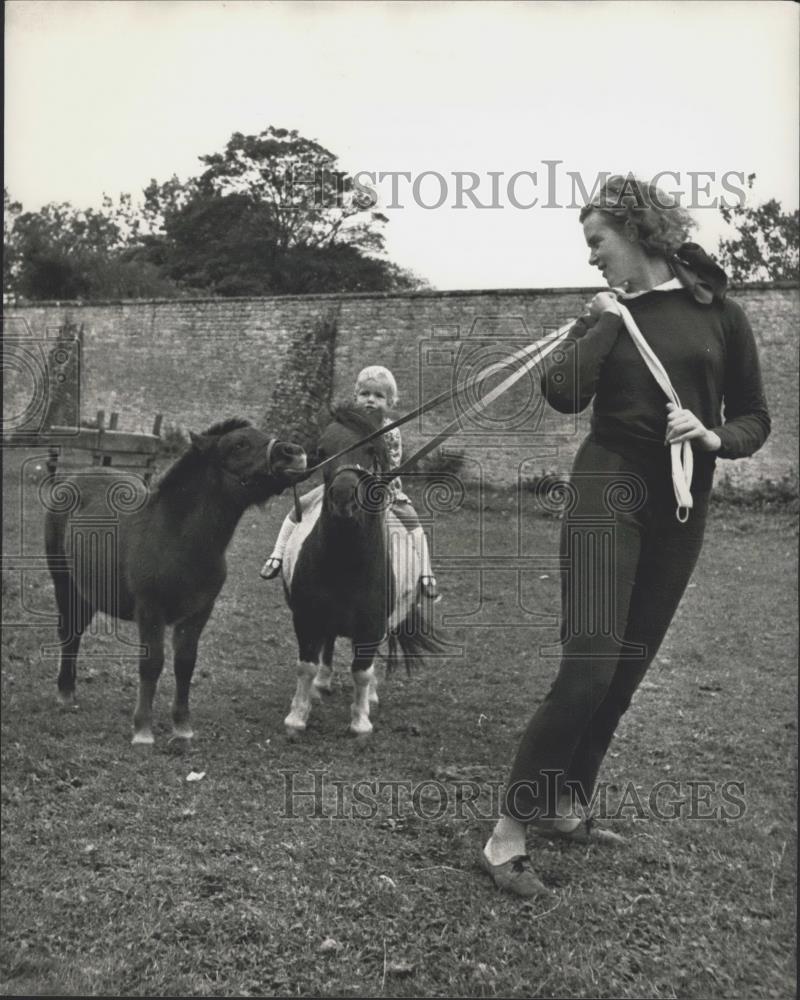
column 381, row 376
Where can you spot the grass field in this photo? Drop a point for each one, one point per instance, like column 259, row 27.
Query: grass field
column 122, row 877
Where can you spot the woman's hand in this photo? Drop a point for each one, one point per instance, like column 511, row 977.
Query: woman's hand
column 683, row 425
column 602, row 302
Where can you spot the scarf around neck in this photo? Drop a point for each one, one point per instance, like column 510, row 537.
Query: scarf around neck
column 701, row 276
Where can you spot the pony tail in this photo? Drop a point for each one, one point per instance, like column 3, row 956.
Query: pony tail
column 413, row 640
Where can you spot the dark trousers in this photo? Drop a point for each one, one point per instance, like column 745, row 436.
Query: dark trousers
column 626, row 561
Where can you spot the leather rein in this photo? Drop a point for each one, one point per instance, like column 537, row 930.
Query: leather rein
column 527, row 357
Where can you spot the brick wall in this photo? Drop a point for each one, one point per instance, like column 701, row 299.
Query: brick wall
column 197, row 361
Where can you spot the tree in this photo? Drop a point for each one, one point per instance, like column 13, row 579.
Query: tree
column 226, row 245
column 61, row 252
column 766, row 245
column 223, row 244
column 311, row 202
column 11, row 262
column 272, row 214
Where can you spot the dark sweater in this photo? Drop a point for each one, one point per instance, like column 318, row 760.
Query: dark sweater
column 710, row 356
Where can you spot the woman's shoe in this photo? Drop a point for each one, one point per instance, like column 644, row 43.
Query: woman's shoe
column 429, row 590
column 515, row 876
column 271, row 568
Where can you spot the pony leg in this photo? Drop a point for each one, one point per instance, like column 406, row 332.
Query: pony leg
column 151, row 662
column 75, row 616
column 323, row 682
column 185, row 638
column 364, row 681
column 372, row 691
column 300, row 709
column 307, row 663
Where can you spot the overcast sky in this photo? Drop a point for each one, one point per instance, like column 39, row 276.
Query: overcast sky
column 102, row 97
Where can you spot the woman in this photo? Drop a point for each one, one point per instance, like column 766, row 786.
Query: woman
column 623, row 476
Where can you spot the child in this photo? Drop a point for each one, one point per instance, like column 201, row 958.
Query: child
column 375, row 389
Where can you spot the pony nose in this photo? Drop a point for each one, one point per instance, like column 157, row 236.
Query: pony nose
column 292, row 455
column 342, row 497
column 344, row 509
column 285, row 450
column 340, row 494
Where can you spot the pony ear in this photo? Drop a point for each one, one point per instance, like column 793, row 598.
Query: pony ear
column 200, row 442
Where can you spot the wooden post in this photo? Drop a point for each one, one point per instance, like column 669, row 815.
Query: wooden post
column 157, row 425
column 97, row 457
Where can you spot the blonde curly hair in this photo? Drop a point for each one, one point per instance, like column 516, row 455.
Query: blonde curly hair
column 643, row 210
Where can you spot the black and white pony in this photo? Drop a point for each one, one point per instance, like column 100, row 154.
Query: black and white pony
column 351, row 569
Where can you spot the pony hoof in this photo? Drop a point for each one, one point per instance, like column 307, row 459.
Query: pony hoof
column 360, row 730
column 66, row 700
column 184, row 732
column 143, row 739
column 320, row 691
column 294, row 733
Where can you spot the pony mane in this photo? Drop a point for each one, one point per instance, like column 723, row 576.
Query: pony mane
column 226, row 426
column 355, row 418
column 191, row 459
column 360, row 421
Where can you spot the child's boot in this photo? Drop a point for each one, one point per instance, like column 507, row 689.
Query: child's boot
column 272, row 566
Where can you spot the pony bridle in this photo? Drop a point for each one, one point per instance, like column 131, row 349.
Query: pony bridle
column 360, row 471
column 270, row 448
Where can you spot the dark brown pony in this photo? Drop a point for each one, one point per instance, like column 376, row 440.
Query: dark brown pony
column 157, row 558
column 338, row 577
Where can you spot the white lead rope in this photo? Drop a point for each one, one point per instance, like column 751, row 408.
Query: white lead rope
column 681, row 454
